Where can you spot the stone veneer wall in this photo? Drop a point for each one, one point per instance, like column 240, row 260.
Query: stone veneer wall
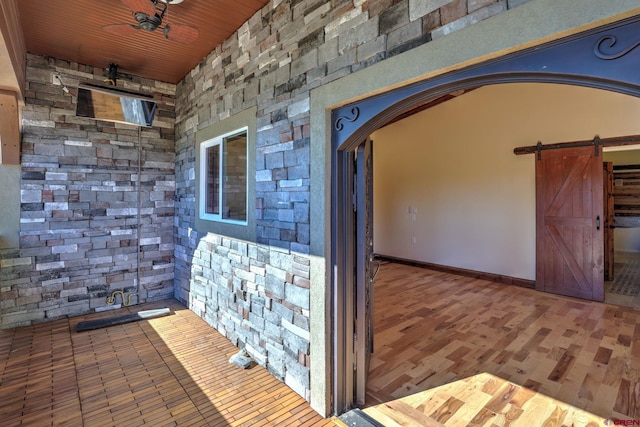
column 257, row 293
column 79, row 197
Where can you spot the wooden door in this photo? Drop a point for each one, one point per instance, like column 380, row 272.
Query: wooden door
column 569, row 231
column 608, row 220
column 364, row 271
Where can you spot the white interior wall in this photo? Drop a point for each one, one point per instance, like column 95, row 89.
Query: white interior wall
column 620, row 156
column 625, row 239
column 449, row 190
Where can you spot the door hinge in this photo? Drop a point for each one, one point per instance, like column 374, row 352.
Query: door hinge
column 355, row 193
column 355, row 353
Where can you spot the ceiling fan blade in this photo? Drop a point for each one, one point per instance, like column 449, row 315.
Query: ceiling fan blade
column 181, row 33
column 144, row 6
column 121, row 29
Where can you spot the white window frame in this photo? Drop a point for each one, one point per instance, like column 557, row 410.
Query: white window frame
column 219, row 140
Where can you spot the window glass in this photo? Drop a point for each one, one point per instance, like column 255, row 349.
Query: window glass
column 234, row 193
column 223, row 185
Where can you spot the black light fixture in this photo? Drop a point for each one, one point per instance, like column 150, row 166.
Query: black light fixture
column 112, row 74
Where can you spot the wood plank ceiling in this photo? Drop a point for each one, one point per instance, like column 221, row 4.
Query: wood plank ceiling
column 72, row 30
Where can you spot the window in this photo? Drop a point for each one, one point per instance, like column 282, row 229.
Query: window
column 223, row 174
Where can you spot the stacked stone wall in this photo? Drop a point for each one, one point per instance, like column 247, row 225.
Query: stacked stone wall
column 257, row 293
column 80, row 190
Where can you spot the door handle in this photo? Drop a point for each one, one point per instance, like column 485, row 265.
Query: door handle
column 372, row 259
column 598, row 222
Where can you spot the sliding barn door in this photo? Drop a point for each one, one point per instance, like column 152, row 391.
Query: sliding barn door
column 569, row 232
column 364, row 274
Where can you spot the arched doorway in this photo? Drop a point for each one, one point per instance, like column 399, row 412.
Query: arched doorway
column 603, row 58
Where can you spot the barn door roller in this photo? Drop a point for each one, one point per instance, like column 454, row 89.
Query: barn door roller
column 596, row 142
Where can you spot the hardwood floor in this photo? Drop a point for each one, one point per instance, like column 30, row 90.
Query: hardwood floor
column 482, row 399
column 579, row 359
column 167, row 371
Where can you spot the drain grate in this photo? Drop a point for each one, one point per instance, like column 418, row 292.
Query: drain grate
column 119, row 320
column 357, row 418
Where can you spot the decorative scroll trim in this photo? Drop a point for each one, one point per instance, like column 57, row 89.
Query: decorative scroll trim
column 355, row 113
column 610, row 41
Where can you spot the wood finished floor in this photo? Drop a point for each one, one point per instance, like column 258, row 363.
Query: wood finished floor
column 437, row 330
column 169, row 371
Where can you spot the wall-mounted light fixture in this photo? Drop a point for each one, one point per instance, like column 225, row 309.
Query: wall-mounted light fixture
column 65, row 89
column 112, row 74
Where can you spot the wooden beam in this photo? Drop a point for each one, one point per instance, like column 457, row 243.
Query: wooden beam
column 13, row 53
column 9, row 129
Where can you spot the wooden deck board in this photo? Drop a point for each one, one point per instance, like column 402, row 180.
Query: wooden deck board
column 172, row 370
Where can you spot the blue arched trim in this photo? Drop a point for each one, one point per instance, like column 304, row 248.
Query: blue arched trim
column 604, row 58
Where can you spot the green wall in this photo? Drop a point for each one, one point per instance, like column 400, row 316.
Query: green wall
column 9, row 206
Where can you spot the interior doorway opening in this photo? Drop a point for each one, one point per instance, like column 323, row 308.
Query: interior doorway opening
column 455, row 198
column 353, row 123
column 623, row 280
column 455, row 190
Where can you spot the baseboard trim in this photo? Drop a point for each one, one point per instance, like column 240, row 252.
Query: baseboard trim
column 507, row 280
